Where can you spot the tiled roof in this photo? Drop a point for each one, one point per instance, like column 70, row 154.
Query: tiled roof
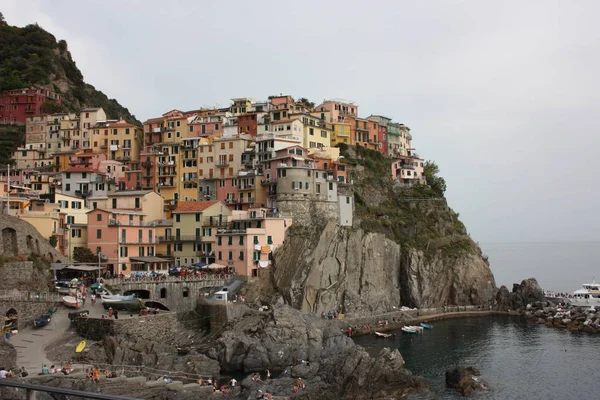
column 77, row 169
column 194, row 206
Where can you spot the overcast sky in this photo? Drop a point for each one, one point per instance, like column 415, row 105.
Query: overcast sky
column 502, row 95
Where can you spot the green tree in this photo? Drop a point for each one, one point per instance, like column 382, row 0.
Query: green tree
column 53, row 240
column 84, row 255
column 437, row 183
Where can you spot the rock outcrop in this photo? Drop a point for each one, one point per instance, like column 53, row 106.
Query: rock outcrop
column 336, row 367
column 461, row 379
column 360, row 273
column 528, row 292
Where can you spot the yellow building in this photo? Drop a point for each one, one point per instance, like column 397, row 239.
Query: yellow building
column 164, row 238
column 147, row 202
column 75, row 210
column 119, row 140
column 195, row 227
column 315, row 132
column 89, row 118
column 341, row 134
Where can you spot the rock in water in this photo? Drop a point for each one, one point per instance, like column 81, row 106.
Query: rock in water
column 528, row 292
column 461, row 379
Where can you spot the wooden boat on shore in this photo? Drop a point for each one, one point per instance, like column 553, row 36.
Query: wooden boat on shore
column 132, row 305
column 383, row 335
column 426, row 326
column 71, row 301
column 42, row 320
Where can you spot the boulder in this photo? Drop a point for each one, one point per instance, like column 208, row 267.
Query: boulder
column 8, row 355
column 461, row 379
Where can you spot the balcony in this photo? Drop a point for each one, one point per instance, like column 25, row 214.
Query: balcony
column 103, row 146
column 168, row 238
column 166, row 172
column 124, row 158
column 222, row 163
column 189, row 178
column 147, row 164
column 245, row 187
column 116, row 222
column 83, row 193
column 166, row 184
column 187, row 238
column 268, row 181
column 138, row 241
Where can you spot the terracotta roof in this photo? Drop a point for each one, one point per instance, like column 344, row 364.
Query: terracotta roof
column 194, row 206
column 158, row 119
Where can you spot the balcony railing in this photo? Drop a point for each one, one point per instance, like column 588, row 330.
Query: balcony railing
column 166, row 184
column 147, row 164
column 222, row 163
column 138, row 241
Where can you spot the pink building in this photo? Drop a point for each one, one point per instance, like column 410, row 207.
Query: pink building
column 248, row 242
column 125, row 241
column 408, row 170
column 87, row 159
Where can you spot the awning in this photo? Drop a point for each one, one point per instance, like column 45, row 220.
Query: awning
column 199, row 265
column 87, row 268
column 149, row 259
column 216, row 266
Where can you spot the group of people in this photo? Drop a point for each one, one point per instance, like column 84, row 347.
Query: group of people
column 329, row 315
column 9, row 373
column 94, row 374
column 66, row 369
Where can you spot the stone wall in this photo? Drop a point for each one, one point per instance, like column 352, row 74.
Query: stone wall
column 172, row 293
column 14, row 274
column 27, row 310
column 18, row 237
column 160, row 328
column 305, row 210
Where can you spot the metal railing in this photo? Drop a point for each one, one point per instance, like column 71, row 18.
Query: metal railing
column 206, row 277
column 30, row 391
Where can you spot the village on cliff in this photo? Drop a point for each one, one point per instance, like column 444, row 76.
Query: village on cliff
column 214, row 187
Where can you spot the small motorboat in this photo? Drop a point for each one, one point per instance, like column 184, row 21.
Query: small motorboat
column 426, row 326
column 71, row 301
column 42, row 320
column 412, row 329
column 384, row 335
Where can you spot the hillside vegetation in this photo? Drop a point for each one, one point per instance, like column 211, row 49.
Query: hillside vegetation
column 30, row 56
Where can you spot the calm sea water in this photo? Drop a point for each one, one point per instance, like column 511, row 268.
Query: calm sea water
column 517, row 359
column 561, row 267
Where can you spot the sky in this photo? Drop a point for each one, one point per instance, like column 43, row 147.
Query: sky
column 503, row 96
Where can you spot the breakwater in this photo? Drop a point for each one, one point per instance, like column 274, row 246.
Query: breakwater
column 573, row 318
column 397, row 319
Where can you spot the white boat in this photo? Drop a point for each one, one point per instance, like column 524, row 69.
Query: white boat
column 383, row 335
column 71, row 301
column 116, row 298
column 589, row 295
column 412, row 329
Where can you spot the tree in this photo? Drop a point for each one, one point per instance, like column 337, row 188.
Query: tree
column 84, row 255
column 2, row 20
column 437, row 183
column 53, row 240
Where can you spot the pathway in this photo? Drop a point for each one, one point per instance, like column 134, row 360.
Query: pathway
column 30, row 342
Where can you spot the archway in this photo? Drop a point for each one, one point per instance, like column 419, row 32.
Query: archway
column 12, row 319
column 9, row 241
column 29, row 241
column 139, row 293
column 186, row 292
column 37, row 246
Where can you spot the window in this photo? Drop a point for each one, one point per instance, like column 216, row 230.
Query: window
column 124, row 252
column 177, row 217
column 137, row 202
column 99, row 217
column 230, row 240
column 241, row 240
column 68, row 187
column 318, row 188
column 98, row 233
column 323, row 134
column 220, row 256
column 197, row 217
column 186, row 292
column 84, row 175
column 255, row 239
column 242, row 255
column 68, row 175
column 306, row 185
column 219, row 240
column 269, row 239
column 141, row 251
column 347, row 199
column 163, row 293
column 114, row 203
column 230, row 255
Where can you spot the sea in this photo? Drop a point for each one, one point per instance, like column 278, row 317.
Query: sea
column 517, row 359
column 557, row 266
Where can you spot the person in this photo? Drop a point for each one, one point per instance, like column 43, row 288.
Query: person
column 45, row 370
column 93, row 297
column 3, row 373
column 88, row 373
column 116, row 313
column 110, row 312
column 68, row 368
column 268, row 396
column 23, row 373
column 268, row 374
column 233, row 382
column 95, row 375
column 52, row 369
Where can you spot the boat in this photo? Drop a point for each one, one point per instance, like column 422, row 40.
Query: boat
column 426, row 326
column 80, row 347
column 132, row 305
column 412, row 329
column 71, row 301
column 42, row 320
column 383, row 335
column 589, row 295
column 111, row 298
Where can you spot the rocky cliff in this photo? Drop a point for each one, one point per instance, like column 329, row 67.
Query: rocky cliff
column 407, row 247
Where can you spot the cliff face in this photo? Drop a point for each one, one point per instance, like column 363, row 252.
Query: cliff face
column 407, row 247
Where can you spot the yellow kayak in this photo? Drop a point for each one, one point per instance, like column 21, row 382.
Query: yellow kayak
column 80, row 347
